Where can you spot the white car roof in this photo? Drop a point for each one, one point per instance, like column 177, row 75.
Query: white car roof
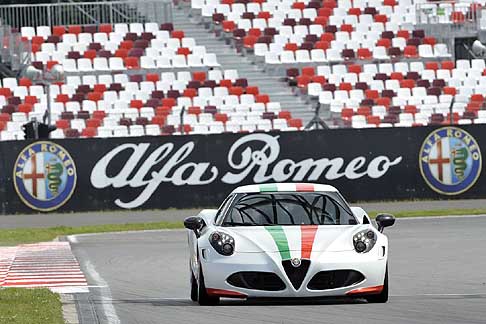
column 285, row 187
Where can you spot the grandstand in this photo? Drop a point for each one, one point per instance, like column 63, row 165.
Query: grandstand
column 245, row 66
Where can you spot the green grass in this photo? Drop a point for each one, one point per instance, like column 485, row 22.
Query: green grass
column 435, row 212
column 32, row 235
column 30, row 306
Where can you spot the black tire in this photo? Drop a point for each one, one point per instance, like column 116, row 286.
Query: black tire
column 193, row 287
column 202, row 296
column 383, row 296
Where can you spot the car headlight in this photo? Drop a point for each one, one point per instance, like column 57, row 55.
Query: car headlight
column 364, row 241
column 223, row 243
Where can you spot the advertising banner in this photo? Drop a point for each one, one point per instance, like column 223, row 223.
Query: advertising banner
column 200, row 170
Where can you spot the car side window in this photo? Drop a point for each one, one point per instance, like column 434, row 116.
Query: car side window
column 223, row 208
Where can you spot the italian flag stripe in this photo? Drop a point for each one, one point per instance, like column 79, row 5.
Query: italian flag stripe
column 280, row 240
column 268, row 187
column 304, row 187
column 308, row 235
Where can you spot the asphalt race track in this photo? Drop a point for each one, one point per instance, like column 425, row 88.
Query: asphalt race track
column 437, row 275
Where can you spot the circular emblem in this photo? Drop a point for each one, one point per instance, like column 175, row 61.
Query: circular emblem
column 295, row 262
column 44, row 176
column 450, row 160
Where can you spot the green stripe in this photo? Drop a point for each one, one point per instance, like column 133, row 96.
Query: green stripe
column 280, row 239
column 268, row 188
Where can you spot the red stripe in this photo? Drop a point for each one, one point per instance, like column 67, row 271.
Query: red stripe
column 366, row 290
column 225, row 293
column 8, row 284
column 308, row 233
column 304, row 187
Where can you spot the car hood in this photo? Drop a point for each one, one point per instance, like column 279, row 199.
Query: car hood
column 295, row 240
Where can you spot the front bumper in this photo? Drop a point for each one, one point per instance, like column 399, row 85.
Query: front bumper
column 217, row 269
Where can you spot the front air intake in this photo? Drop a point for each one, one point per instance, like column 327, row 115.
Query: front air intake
column 334, row 279
column 256, row 280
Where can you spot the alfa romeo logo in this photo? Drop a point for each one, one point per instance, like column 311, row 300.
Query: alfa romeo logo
column 450, row 160
column 44, row 176
column 295, row 262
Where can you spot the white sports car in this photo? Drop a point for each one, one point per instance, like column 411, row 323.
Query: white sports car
column 287, row 240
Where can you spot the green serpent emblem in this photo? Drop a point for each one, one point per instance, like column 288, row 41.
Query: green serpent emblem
column 54, row 173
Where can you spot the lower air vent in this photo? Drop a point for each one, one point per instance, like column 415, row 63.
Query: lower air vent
column 296, row 274
column 256, row 280
column 334, row 279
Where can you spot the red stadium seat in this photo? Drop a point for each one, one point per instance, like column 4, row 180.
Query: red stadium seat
column 221, row 117
column 295, row 122
column 448, row 65
column 308, row 71
column 58, row 30
column 163, row 110
column 93, row 123
column 364, row 54
column 298, row 5
column 252, row 90
column 354, row 68
column 25, row 108
column 450, row 91
column 477, row 98
column 177, row 34
column 303, row 81
column 89, row 132
column 99, row 114
column 228, row 26
column 321, row 20
column 131, row 63
column 374, row 120
column 194, row 110
column 403, row 34
column 158, row 120
column 410, row 51
column 62, row 98
column 364, row 111
column 63, row 124
column 347, row 113
column 75, row 29
column 262, row 98
column 291, row 47
column 249, row 41
column 105, row 28
column 381, row 18
column 284, row 114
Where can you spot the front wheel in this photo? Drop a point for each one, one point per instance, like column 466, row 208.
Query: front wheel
column 202, row 297
column 383, row 296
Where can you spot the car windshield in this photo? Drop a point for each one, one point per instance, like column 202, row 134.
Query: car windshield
column 293, row 208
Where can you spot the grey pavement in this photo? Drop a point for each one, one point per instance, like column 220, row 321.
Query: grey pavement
column 436, row 276
column 120, row 217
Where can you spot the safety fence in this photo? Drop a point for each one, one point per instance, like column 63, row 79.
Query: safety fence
column 200, row 170
column 86, row 13
column 456, row 14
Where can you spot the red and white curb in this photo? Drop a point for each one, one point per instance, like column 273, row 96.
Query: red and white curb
column 49, row 265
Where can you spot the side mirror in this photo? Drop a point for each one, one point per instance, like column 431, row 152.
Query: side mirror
column 194, row 223
column 384, row 220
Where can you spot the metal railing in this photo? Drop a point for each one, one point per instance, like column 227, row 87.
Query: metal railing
column 459, row 14
column 86, row 13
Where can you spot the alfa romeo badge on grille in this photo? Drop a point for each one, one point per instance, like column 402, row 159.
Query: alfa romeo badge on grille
column 295, row 262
